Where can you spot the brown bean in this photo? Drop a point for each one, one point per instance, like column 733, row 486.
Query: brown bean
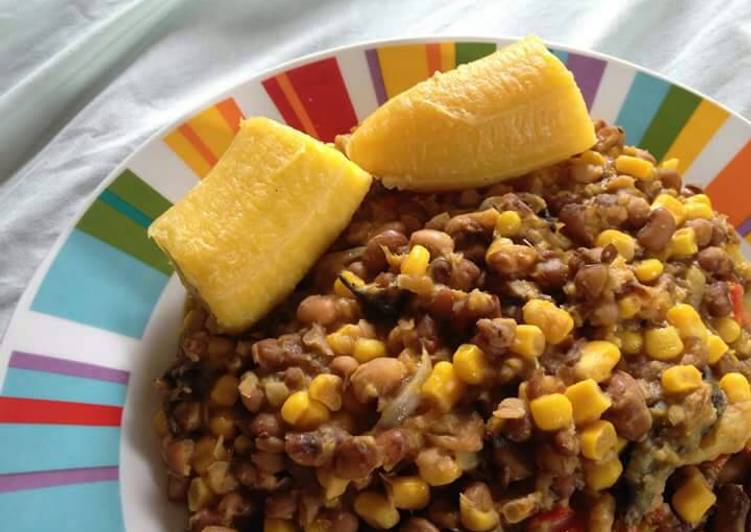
column 578, row 223
column 717, row 299
column 312, row 449
column 551, row 273
column 281, row 505
column 395, row 446
column 669, row 178
column 438, row 222
column 234, row 505
column 715, row 260
column 177, row 456
column 638, row 210
column 338, row 521
column 373, row 258
column 658, row 230
column 566, row 441
column 731, row 512
column 344, row 366
column 268, row 354
column 177, row 488
column 495, row 336
column 294, row 378
column 464, row 275
column 440, row 270
column 513, row 259
column 590, row 281
column 357, row 457
column 266, row 424
column 437, row 242
column 317, row 309
column 377, row 378
column 629, row 413
column 703, row 231
column 188, row 415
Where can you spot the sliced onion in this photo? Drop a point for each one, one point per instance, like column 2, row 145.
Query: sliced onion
column 408, row 399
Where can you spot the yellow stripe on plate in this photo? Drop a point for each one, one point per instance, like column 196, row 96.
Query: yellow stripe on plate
column 701, row 126
column 402, row 67
column 213, row 130
column 185, row 150
column 448, row 56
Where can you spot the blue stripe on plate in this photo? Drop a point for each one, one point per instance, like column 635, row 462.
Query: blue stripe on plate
column 43, row 385
column 640, row 106
column 75, row 508
column 93, row 283
column 25, row 448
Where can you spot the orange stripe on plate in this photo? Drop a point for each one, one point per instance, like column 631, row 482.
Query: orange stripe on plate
column 215, row 133
column 187, row 152
column 402, row 67
column 697, row 132
column 231, row 113
column 433, row 53
column 448, row 56
column 197, row 143
column 729, row 190
column 294, row 101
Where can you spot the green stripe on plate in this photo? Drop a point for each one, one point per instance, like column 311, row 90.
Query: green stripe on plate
column 674, row 112
column 111, row 226
column 469, row 51
column 133, row 190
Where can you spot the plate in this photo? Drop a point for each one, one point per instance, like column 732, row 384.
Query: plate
column 99, row 320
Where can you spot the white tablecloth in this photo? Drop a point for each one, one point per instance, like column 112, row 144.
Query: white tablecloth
column 84, row 82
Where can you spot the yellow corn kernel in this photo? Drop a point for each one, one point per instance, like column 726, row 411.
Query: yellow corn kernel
column 199, row 494
column 592, row 157
column 443, row 387
column 701, row 199
column 602, row 475
column 692, row 500
column 736, row 387
column 688, row 322
column 409, row 493
column 367, row 349
column 327, row 389
column 555, row 323
column 629, row 150
column 670, row 164
column 470, row 364
column 727, row 328
column 716, row 348
column 598, row 358
column 303, row 412
column 552, row 411
column 639, row 168
column 629, row 306
column 663, row 343
column 476, row 519
column 683, row 243
column 416, row 261
column 698, row 210
column 341, row 289
column 529, row 341
column 648, row 270
column 681, row 379
column 376, row 510
column 333, row 485
column 624, row 244
column 672, row 204
column 342, row 341
column 631, row 342
column 598, row 439
column 278, row 525
column 225, row 392
column 509, row 224
column 588, row 401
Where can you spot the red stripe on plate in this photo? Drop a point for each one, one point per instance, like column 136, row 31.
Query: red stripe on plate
column 322, row 92
column 280, row 100
column 42, row 411
column 197, row 143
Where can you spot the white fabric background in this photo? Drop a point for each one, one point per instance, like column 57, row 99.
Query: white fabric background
column 84, row 82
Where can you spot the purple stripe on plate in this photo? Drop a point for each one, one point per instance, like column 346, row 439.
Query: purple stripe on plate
column 47, row 364
column 62, row 477
column 375, row 75
column 588, row 73
column 745, row 227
